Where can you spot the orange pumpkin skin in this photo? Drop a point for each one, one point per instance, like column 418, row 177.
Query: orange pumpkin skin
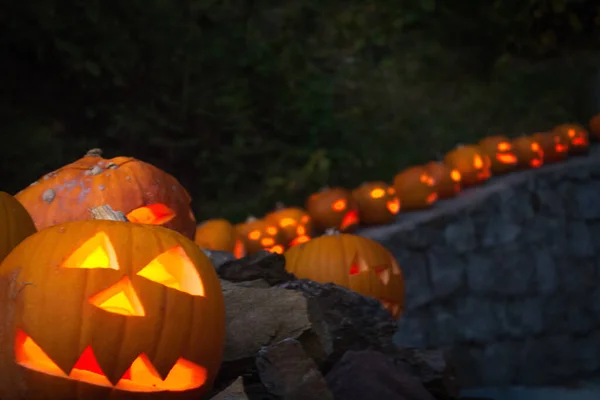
column 529, row 152
column 219, row 234
column 333, row 208
column 499, row 150
column 377, row 203
column 16, row 224
column 471, row 162
column 141, row 191
column 294, row 223
column 258, row 234
column 576, row 135
column 100, row 347
column 352, row 261
column 416, row 188
column 595, row 127
column 554, row 146
column 447, row 181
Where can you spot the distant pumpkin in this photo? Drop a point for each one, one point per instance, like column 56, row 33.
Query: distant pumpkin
column 219, row 234
column 554, row 146
column 333, row 208
column 447, row 181
column 16, row 224
column 471, row 162
column 500, row 152
column 416, row 188
column 595, row 127
column 529, row 152
column 577, row 136
column 258, row 234
column 377, row 203
column 294, row 223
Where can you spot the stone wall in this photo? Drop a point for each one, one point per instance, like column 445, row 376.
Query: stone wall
column 507, row 276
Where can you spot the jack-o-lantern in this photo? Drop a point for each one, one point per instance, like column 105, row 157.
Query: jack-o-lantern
column 143, row 192
column 219, row 234
column 472, row 164
column 106, row 309
column 554, row 146
column 258, row 234
column 500, row 152
column 352, row 261
column 447, row 181
column 416, row 188
column 377, row 203
column 595, row 127
column 294, row 224
column 577, row 136
column 529, row 152
column 333, row 208
column 15, row 224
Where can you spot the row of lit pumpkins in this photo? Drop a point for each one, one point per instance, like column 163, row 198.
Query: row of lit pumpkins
column 417, row 187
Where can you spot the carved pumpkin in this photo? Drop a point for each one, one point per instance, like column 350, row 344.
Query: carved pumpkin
column 416, row 188
column 500, row 152
column 472, row 164
column 333, row 208
column 377, row 203
column 294, row 224
column 15, row 224
column 352, row 261
column 554, row 146
column 529, row 152
column 219, row 234
column 595, row 127
column 258, row 234
column 447, row 181
column 577, row 136
column 105, row 309
column 143, row 192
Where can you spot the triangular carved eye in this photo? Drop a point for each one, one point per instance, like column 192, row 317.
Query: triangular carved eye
column 97, row 252
column 358, row 265
column 152, row 214
column 395, row 267
column 120, row 298
column 175, row 270
column 383, row 273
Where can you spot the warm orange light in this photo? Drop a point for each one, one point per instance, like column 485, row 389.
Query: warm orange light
column 239, row 250
column 300, row 230
column 432, row 198
column 277, row 249
column 154, row 214
column 571, row 133
column 427, row 179
column 287, row 221
column 299, row 240
column 119, row 298
column 535, row 147
column 393, row 206
column 140, row 377
column 477, row 162
column 175, row 270
column 391, row 191
column 377, row 193
column 271, row 230
column 339, row 205
column 506, row 158
column 305, row 219
column 503, row 146
column 560, row 148
column 579, row 141
column 254, row 235
column 535, row 163
column 455, row 175
column 266, row 242
column 96, row 252
column 351, row 218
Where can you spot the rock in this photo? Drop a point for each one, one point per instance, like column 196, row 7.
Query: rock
column 219, row 258
column 235, row 391
column 368, row 374
column 262, row 265
column 287, row 371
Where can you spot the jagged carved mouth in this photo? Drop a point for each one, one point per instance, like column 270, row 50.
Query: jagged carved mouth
column 141, row 376
column 392, row 306
column 350, row 219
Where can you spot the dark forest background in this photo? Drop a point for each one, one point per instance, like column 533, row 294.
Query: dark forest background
column 252, row 101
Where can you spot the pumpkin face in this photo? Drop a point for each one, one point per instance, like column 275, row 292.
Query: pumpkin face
column 500, row 152
column 355, row 262
column 595, row 127
column 528, row 151
column 416, row 188
column 105, row 309
column 258, row 234
column 377, row 203
column 447, row 181
column 16, row 224
column 472, row 164
column 294, row 224
column 333, row 208
column 554, row 146
column 143, row 192
column 576, row 135
column 219, row 234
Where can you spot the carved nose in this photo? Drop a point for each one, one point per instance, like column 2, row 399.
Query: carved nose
column 120, row 298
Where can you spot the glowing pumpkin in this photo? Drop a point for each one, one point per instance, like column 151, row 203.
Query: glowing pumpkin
column 106, row 309
column 333, row 208
column 352, row 261
column 500, row 152
column 447, row 181
column 16, row 224
column 529, row 152
column 416, row 188
column 294, row 224
column 576, row 135
column 595, row 127
column 377, row 203
column 472, row 164
column 143, row 192
column 219, row 234
column 258, row 234
column 554, row 146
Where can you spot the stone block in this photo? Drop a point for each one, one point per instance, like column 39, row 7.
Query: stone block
column 446, row 271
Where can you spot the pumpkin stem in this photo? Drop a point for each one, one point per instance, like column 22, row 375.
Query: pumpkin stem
column 107, row 213
column 96, row 152
column 331, row 231
column 251, row 218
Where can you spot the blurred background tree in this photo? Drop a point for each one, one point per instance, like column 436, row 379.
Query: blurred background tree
column 249, row 102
